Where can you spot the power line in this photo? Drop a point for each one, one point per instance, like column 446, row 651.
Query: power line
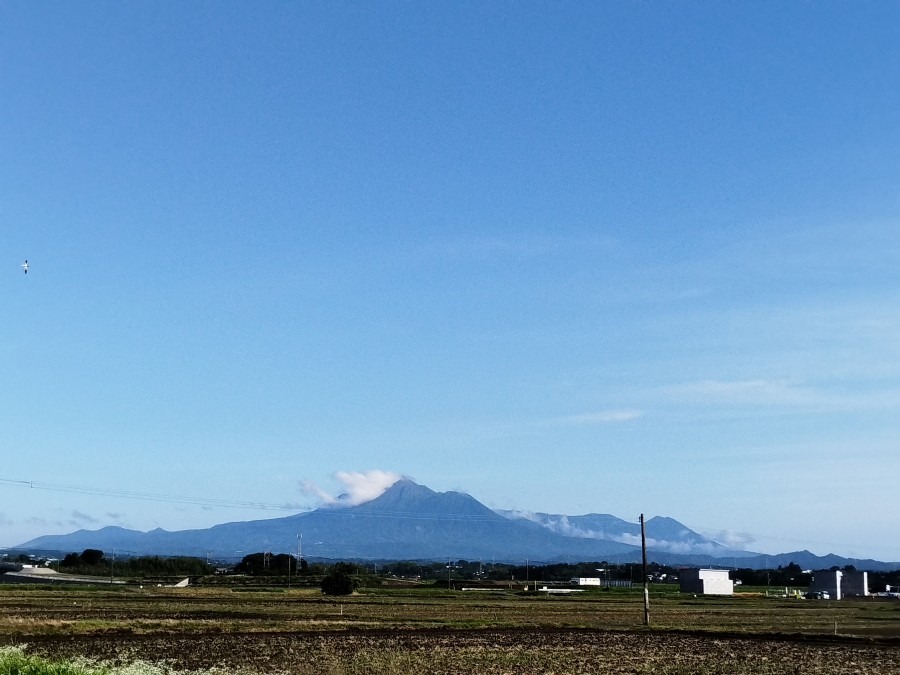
column 230, row 503
column 146, row 496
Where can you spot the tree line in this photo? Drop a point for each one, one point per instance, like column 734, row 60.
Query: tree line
column 94, row 562
column 344, row 577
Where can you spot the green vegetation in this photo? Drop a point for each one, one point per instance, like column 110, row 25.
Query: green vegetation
column 339, row 581
column 14, row 661
column 266, row 564
column 94, row 562
column 473, row 570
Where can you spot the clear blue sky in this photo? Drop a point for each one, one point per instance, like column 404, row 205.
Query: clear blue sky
column 572, row 257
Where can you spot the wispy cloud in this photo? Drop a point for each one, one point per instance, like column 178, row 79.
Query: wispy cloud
column 671, row 546
column 307, row 487
column 359, row 487
column 40, row 522
column 777, row 394
column 563, row 525
column 733, row 539
column 743, row 392
column 601, row 417
column 79, row 518
column 519, row 246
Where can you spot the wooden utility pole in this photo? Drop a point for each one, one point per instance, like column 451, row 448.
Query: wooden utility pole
column 646, row 583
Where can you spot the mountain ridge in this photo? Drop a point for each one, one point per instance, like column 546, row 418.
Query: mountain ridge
column 409, row 521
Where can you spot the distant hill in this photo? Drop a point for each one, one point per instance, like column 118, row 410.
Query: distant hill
column 811, row 561
column 412, row 522
column 664, row 535
column 408, row 521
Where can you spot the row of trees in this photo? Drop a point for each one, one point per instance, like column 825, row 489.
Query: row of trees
column 279, row 564
column 93, row 561
column 560, row 572
column 339, row 579
column 788, row 575
column 793, row 575
column 344, row 577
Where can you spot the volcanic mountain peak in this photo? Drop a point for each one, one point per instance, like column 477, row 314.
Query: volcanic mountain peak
column 404, row 495
column 409, row 521
column 408, row 497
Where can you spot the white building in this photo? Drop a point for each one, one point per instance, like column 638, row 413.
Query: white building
column 706, row 582
column 585, row 581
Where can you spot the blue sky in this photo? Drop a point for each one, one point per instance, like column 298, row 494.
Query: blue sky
column 567, row 257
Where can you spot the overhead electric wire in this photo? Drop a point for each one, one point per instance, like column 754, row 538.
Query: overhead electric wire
column 147, row 496
column 229, row 503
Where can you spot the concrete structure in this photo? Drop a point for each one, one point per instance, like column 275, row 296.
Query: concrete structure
column 840, row 584
column 855, row 584
column 558, row 591
column 585, row 581
column 706, row 582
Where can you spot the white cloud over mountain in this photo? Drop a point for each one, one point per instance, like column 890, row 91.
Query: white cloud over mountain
column 359, row 487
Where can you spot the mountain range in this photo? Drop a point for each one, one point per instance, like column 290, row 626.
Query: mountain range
column 409, row 521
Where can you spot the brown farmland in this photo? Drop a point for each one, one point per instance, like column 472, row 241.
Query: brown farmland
column 417, row 630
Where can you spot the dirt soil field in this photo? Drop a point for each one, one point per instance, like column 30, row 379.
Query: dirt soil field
column 301, row 632
column 520, row 651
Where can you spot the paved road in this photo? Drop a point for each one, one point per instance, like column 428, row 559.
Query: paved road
column 45, row 575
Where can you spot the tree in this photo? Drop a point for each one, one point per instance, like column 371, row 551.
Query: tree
column 71, row 560
column 282, row 563
column 338, row 583
column 91, row 556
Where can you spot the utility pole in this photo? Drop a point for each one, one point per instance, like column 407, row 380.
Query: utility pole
column 644, row 565
column 299, row 552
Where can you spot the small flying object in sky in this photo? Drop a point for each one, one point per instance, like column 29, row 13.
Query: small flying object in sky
column 25, row 266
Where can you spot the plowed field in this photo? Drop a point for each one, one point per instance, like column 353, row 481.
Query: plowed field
column 302, row 632
column 478, row 651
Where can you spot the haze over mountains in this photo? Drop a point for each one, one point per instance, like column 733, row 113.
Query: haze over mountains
column 409, row 521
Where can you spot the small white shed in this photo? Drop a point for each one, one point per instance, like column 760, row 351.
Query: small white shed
column 706, row 582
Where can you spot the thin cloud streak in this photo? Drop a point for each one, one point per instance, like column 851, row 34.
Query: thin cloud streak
column 519, row 246
column 81, row 518
column 777, row 393
column 601, row 417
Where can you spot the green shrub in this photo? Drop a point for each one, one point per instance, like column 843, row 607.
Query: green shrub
column 338, row 583
column 13, row 661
